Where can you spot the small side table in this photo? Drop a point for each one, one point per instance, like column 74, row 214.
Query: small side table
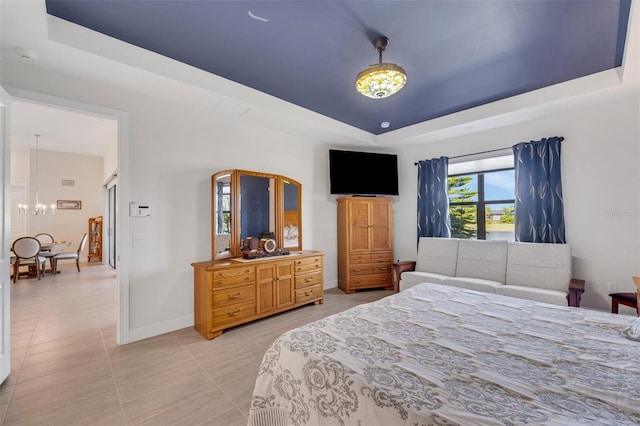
column 400, row 267
column 627, row 299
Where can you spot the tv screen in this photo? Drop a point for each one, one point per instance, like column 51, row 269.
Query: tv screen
column 363, row 173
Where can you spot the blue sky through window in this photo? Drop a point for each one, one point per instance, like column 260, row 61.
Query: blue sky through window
column 497, row 185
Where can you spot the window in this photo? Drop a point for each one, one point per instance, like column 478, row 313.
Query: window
column 482, row 205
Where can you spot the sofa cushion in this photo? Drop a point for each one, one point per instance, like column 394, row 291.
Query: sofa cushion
column 437, row 255
column 486, row 260
column 478, row 284
column 539, row 265
column 411, row 278
column 531, row 293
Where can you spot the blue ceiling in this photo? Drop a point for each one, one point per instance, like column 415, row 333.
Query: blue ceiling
column 457, row 54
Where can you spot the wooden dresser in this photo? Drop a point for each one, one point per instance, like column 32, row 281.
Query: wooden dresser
column 365, row 243
column 234, row 291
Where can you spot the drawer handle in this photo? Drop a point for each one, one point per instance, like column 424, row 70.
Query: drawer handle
column 298, row 262
column 308, row 279
column 233, row 313
column 357, row 270
column 357, row 281
column 308, row 293
column 234, row 296
column 383, row 268
column 317, row 266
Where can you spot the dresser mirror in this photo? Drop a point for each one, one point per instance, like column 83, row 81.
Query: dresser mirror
column 291, row 231
column 251, row 206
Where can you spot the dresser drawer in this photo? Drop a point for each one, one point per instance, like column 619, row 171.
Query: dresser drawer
column 359, row 259
column 308, row 293
column 233, row 276
column 308, row 264
column 384, row 257
column 232, row 295
column 365, row 281
column 233, row 313
column 371, row 268
column 306, row 280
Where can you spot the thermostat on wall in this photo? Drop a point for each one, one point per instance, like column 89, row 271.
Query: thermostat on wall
column 139, row 210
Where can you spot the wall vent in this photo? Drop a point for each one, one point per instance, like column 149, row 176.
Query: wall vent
column 68, row 182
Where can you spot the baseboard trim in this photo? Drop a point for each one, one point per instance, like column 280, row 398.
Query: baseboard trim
column 153, row 330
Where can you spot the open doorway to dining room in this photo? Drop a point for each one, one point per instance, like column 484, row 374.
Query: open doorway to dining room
column 70, row 144
column 61, row 159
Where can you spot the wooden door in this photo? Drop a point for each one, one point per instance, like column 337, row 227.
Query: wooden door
column 358, row 221
column 284, row 284
column 267, row 296
column 380, row 225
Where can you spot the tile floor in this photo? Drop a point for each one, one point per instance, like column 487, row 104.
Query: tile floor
column 66, row 368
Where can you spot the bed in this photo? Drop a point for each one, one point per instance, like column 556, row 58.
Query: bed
column 439, row 355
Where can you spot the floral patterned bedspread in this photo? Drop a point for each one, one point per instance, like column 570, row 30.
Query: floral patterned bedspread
column 439, row 355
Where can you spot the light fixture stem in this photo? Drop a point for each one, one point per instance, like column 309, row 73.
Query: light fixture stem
column 37, row 167
column 380, row 55
column 37, row 170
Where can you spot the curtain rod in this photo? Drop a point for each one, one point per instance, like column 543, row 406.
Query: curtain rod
column 484, row 152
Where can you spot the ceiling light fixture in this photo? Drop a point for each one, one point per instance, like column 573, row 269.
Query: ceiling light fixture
column 383, row 79
column 39, row 209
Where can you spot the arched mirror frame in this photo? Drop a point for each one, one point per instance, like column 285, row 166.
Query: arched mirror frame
column 282, row 223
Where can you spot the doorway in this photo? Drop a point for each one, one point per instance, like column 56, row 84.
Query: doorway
column 120, row 160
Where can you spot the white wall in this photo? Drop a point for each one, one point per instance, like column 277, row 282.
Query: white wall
column 600, row 156
column 85, row 170
column 110, row 161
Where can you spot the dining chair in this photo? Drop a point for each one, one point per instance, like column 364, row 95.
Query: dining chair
column 45, row 238
column 70, row 255
column 26, row 251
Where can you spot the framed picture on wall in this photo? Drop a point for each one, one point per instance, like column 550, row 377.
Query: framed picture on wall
column 69, row 205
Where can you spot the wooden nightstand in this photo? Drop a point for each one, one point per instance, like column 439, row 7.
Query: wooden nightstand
column 627, row 299
column 400, row 267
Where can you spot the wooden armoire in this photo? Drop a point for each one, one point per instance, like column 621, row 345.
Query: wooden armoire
column 365, row 243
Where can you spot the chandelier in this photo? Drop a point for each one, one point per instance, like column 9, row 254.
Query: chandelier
column 383, row 79
column 39, row 209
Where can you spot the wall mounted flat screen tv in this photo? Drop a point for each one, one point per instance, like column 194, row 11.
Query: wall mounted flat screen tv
column 363, row 173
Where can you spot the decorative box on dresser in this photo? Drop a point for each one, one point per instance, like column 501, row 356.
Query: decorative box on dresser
column 365, row 243
column 234, row 291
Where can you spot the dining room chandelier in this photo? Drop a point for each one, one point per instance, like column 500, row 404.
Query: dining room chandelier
column 383, row 79
column 38, row 209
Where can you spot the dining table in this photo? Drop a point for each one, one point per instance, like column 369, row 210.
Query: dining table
column 50, row 247
column 56, row 245
column 53, row 247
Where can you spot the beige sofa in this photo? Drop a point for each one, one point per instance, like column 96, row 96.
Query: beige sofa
column 533, row 271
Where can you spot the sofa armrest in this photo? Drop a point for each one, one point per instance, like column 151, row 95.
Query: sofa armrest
column 400, row 267
column 576, row 288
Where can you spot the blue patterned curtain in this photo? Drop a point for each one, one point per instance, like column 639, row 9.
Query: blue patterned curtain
column 539, row 211
column 433, row 198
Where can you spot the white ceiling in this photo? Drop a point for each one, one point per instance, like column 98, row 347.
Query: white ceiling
column 61, row 130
